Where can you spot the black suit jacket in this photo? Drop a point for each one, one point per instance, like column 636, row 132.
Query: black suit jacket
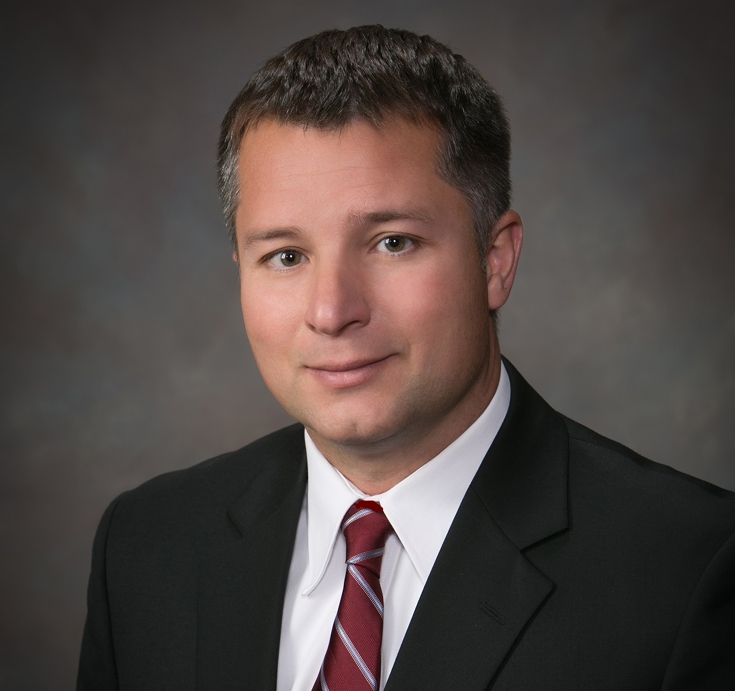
column 573, row 563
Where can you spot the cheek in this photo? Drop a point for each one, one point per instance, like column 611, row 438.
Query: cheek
column 442, row 300
column 272, row 349
column 270, row 323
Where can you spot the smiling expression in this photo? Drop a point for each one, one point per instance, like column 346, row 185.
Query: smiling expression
column 361, row 285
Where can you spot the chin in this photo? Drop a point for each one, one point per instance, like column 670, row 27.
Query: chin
column 357, row 431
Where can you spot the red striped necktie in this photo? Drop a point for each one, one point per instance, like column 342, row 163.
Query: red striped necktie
column 352, row 662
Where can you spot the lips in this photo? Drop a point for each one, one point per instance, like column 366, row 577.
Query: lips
column 347, row 366
column 341, row 375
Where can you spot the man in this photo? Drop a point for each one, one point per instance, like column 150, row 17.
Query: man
column 491, row 542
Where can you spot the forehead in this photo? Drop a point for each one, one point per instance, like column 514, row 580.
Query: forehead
column 276, row 144
column 353, row 169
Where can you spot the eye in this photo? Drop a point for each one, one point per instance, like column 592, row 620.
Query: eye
column 394, row 244
column 286, row 259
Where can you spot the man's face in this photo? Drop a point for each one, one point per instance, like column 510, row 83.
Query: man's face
column 361, row 283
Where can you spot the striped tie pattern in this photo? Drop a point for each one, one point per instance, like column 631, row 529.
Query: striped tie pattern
column 352, row 662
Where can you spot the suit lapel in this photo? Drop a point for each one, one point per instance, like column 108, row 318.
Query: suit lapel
column 483, row 592
column 480, row 595
column 242, row 587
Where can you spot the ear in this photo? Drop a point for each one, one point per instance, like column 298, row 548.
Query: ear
column 502, row 255
column 236, row 259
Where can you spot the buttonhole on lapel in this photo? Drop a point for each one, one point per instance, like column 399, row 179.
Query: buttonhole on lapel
column 485, row 607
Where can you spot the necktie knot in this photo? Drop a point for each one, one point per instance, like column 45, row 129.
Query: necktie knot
column 366, row 529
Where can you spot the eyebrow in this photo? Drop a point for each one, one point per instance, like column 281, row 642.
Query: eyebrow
column 388, row 215
column 273, row 234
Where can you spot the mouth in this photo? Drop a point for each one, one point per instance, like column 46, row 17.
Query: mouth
column 340, row 375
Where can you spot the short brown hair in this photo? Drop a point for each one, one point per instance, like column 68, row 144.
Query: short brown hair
column 370, row 73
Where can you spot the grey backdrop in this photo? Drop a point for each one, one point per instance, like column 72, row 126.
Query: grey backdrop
column 123, row 351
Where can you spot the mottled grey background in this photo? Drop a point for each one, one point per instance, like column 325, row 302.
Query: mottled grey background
column 123, row 355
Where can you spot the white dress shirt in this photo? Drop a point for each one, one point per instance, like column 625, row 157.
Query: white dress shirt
column 421, row 509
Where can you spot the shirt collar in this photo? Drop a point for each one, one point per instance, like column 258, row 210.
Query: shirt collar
column 421, row 507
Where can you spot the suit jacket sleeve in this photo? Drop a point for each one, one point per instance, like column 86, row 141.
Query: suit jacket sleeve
column 703, row 656
column 97, row 668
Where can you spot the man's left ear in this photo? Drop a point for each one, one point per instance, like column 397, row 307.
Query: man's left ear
column 502, row 255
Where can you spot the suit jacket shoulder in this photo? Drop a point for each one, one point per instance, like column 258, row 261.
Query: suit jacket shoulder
column 217, row 481
column 649, row 500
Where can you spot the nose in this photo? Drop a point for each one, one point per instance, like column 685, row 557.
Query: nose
column 338, row 300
